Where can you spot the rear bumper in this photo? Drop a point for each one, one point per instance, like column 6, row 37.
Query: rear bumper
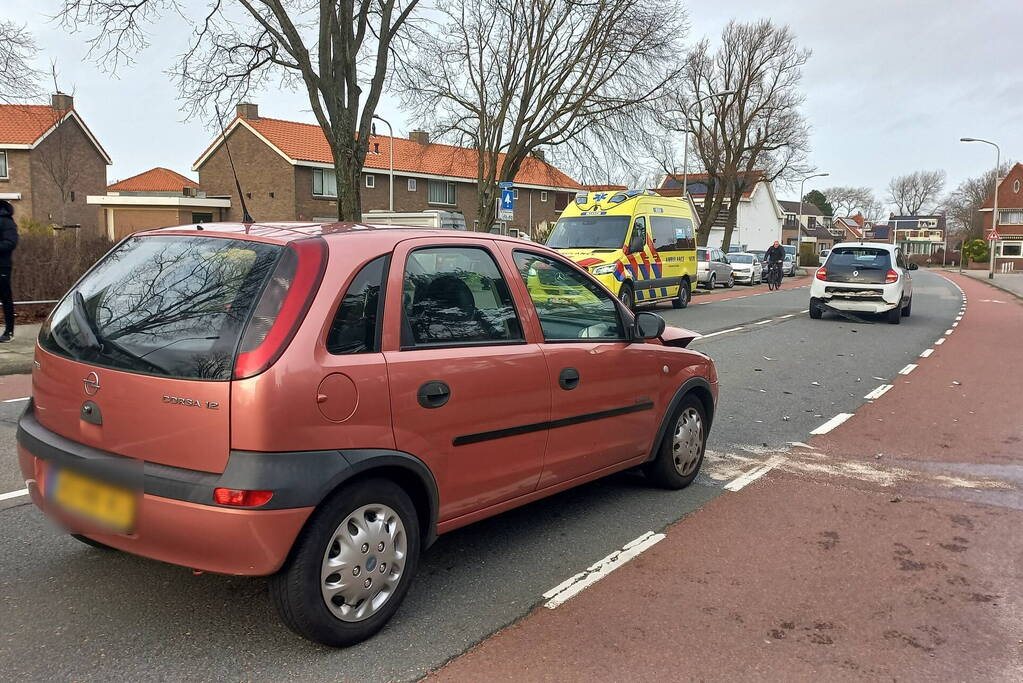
column 205, row 537
column 857, row 298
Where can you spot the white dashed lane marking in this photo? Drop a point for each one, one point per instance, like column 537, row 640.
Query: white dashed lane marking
column 595, row 572
column 832, row 423
column 879, row 392
column 908, row 369
column 13, row 494
column 927, row 353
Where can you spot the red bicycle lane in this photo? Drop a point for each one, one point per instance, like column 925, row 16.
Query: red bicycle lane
column 839, row 564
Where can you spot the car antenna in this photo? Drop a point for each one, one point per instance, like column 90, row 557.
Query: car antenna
column 246, row 218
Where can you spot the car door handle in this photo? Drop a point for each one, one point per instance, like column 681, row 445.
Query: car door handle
column 568, row 379
column 433, row 394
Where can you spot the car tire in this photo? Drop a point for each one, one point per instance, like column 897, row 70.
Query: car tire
column 680, row 453
column 95, row 544
column 684, row 294
column 895, row 315
column 712, row 282
column 816, row 312
column 391, row 529
column 627, row 296
column 908, row 308
column 731, row 281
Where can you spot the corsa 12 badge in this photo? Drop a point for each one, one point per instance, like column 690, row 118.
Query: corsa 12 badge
column 190, row 402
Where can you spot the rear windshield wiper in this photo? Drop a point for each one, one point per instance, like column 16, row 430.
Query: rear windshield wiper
column 96, row 340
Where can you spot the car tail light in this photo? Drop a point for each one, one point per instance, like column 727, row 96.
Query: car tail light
column 822, row 274
column 241, row 498
column 282, row 306
column 891, row 277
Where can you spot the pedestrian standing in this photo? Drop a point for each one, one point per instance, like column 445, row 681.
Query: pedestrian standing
column 8, row 243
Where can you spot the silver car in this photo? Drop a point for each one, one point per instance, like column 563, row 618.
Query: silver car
column 713, row 268
column 747, row 268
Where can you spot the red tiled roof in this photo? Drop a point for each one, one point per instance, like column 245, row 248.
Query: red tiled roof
column 674, row 181
column 306, row 142
column 23, row 124
column 154, row 180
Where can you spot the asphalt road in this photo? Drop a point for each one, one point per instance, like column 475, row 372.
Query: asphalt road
column 68, row 611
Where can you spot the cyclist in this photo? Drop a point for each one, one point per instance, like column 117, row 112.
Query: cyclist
column 775, row 256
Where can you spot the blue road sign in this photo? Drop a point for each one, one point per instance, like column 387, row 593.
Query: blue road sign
column 506, row 212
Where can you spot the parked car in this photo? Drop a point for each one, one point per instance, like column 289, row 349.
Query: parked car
column 824, row 254
column 789, row 266
column 747, row 268
column 317, row 402
column 713, row 268
column 864, row 278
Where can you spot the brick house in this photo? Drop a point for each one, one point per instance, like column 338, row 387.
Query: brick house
column 49, row 162
column 1008, row 249
column 813, row 225
column 155, row 198
column 286, row 172
column 917, row 235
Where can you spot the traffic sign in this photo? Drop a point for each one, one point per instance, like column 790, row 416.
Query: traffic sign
column 505, row 183
column 506, row 212
column 993, row 236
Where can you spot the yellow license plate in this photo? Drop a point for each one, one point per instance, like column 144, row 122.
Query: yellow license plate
column 100, row 502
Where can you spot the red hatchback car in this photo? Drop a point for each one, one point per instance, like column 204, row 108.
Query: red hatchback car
column 318, row 402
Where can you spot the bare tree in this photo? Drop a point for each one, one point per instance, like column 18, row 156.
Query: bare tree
column 845, row 199
column 511, row 77
column 759, row 128
column 338, row 51
column 19, row 80
column 962, row 206
column 912, row 192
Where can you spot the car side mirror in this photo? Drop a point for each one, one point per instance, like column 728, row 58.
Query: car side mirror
column 913, row 266
column 648, row 325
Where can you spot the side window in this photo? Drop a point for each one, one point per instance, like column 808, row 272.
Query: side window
column 356, row 326
column 685, row 238
column 638, row 239
column 664, row 236
column 456, row 296
column 900, row 259
column 570, row 305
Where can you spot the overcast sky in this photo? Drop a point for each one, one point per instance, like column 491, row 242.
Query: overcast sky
column 891, row 87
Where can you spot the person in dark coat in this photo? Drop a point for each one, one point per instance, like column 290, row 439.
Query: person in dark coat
column 8, row 243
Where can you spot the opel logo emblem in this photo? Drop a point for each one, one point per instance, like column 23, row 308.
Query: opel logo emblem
column 91, row 383
column 855, row 274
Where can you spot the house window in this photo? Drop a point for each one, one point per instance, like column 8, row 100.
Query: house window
column 411, row 184
column 202, row 217
column 543, row 195
column 324, row 183
column 1011, row 249
column 3, row 164
column 441, row 192
column 1014, row 217
column 811, row 222
column 515, row 193
column 371, row 181
column 1015, row 186
column 72, row 195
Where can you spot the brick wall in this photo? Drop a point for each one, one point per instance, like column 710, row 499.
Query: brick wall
column 129, row 220
column 19, row 179
column 68, row 147
column 261, row 172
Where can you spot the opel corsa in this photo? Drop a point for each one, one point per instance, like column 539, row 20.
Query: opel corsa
column 319, row 402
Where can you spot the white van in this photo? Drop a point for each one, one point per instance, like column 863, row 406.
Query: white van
column 433, row 218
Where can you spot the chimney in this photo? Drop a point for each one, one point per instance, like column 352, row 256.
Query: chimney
column 248, row 111
column 539, row 154
column 62, row 102
column 420, row 136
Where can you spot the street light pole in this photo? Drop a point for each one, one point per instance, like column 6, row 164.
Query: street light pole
column 685, row 138
column 799, row 218
column 994, row 214
column 390, row 146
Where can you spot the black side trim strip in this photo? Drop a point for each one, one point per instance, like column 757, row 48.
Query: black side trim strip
column 549, row 424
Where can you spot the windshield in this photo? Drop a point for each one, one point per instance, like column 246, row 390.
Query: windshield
column 860, row 258
column 589, row 232
column 171, row 306
column 740, row 258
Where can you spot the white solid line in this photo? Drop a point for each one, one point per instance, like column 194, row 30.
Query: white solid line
column 754, row 474
column 13, row 494
column 927, row 353
column 806, row 311
column 763, row 322
column 787, row 316
column 714, row 334
column 940, row 341
column 879, row 392
column 908, row 369
column 832, row 423
column 704, row 303
column 15, row 400
column 573, row 586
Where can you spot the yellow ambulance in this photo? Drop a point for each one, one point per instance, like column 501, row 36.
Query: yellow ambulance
column 641, row 245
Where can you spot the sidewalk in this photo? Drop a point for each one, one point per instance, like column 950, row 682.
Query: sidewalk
column 888, row 549
column 16, row 356
column 1009, row 282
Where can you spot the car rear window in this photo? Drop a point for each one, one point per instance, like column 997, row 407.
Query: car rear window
column 860, row 258
column 740, row 258
column 173, row 306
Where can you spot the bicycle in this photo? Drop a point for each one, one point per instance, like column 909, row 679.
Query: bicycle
column 774, row 276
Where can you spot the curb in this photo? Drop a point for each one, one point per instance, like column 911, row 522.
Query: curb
column 16, row 367
column 991, row 283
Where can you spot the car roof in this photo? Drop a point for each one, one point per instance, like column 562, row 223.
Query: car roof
column 875, row 245
column 283, row 232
